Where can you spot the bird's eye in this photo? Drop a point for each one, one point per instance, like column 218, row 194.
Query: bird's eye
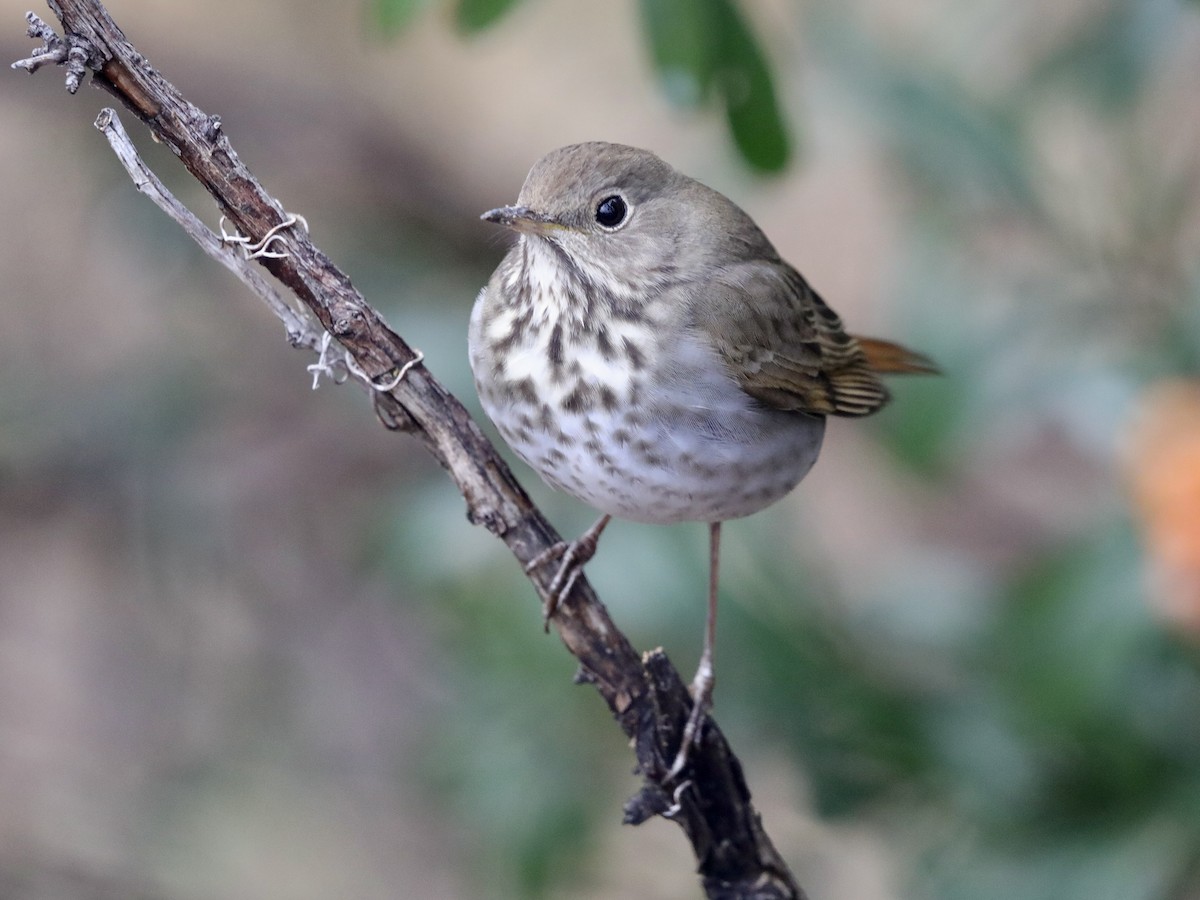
column 611, row 211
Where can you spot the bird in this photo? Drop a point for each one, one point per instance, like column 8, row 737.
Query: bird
column 645, row 349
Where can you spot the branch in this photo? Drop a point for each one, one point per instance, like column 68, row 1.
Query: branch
column 646, row 696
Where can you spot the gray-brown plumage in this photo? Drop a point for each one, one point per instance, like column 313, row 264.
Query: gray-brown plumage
column 643, row 347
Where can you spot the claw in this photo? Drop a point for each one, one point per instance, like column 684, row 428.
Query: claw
column 702, row 689
column 573, row 556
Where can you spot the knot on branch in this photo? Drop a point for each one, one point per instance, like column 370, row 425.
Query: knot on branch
column 649, row 802
column 72, row 51
column 348, row 322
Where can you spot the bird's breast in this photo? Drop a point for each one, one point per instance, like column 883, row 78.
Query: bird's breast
column 634, row 415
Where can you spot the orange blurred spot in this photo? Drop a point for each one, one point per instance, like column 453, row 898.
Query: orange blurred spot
column 1164, row 473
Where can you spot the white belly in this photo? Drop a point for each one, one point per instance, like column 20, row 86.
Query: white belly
column 674, row 443
column 663, row 473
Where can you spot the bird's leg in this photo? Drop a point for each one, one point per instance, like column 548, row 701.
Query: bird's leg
column 572, row 556
column 702, row 684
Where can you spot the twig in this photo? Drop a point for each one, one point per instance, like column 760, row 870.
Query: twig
column 710, row 800
column 301, row 332
column 53, row 50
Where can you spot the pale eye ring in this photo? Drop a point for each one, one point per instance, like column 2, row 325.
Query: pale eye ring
column 612, row 211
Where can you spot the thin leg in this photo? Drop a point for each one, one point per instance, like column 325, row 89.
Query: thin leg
column 702, row 684
column 573, row 556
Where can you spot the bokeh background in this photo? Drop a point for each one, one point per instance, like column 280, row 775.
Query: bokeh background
column 250, row 646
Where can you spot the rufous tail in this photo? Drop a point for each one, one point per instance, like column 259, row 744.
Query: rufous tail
column 887, row 358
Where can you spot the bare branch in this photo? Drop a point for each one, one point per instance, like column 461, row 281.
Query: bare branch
column 710, row 800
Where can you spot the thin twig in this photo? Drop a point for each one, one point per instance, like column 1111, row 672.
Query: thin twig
column 301, row 332
column 710, row 800
column 53, row 50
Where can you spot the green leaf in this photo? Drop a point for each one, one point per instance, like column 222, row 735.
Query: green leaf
column 680, row 34
column 476, row 15
column 393, row 16
column 750, row 105
column 704, row 49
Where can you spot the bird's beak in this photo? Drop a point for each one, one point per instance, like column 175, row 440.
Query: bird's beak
column 520, row 218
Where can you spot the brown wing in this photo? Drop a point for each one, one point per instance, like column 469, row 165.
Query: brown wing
column 788, row 349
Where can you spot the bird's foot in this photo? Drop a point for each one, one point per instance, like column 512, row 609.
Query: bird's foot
column 572, row 558
column 702, row 691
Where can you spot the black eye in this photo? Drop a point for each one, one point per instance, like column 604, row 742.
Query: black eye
column 611, row 211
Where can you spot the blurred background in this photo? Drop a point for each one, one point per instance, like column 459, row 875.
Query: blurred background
column 250, row 646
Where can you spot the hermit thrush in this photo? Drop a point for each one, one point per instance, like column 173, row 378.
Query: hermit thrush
column 643, row 347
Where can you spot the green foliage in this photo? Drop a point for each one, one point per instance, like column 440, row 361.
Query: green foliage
column 1097, row 708
column 471, row 16
column 682, row 47
column 704, row 48
column 925, row 419
column 392, row 16
column 704, row 51
column 855, row 728
column 476, row 15
column 505, row 757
